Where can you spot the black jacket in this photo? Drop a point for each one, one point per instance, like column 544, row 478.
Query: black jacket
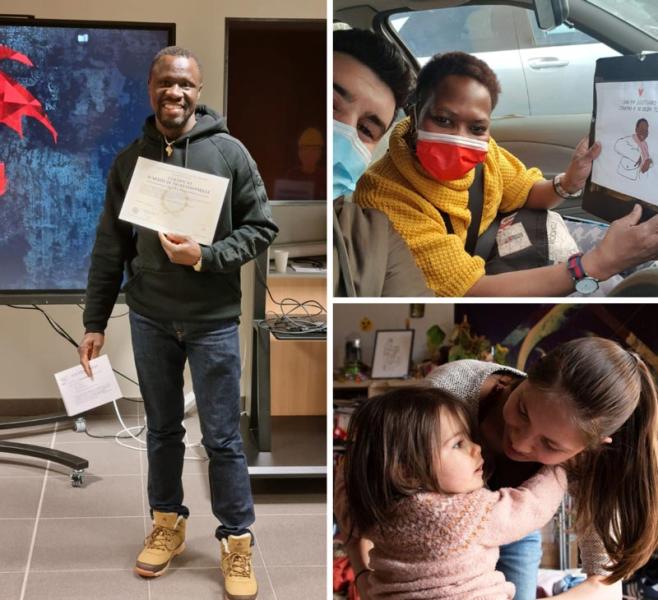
column 157, row 288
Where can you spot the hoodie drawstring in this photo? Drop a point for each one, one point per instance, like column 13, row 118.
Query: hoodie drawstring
column 187, row 147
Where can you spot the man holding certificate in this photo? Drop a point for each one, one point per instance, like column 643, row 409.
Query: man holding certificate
column 185, row 208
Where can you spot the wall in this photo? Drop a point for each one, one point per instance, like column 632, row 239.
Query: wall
column 30, row 352
column 295, row 70
column 348, row 317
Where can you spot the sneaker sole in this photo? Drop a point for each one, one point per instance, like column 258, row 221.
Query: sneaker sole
column 145, row 573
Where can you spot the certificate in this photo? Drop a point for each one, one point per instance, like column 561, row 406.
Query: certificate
column 625, row 123
column 626, row 126
column 172, row 199
column 81, row 393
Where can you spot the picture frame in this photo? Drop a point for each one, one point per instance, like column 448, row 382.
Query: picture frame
column 392, row 354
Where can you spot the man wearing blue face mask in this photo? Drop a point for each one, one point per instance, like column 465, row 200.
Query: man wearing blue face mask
column 371, row 81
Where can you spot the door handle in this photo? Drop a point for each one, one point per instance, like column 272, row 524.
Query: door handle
column 547, row 62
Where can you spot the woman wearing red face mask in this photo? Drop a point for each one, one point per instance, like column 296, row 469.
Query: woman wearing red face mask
column 423, row 183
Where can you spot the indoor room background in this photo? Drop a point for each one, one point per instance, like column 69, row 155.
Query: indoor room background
column 31, row 352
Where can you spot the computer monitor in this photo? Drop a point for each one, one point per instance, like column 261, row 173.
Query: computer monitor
column 74, row 94
column 302, row 227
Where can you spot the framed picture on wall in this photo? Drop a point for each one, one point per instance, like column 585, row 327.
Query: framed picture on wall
column 392, row 355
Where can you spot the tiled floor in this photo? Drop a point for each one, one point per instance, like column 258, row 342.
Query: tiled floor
column 60, row 542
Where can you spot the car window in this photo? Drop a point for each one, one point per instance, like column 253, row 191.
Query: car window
column 468, row 28
column 642, row 14
column 564, row 35
column 530, row 63
column 486, row 31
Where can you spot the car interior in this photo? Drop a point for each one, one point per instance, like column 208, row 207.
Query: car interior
column 544, row 53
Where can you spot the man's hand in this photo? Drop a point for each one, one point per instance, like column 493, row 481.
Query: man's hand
column 646, row 165
column 180, row 249
column 580, row 166
column 90, row 347
column 627, row 243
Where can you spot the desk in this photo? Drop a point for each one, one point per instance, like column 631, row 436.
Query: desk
column 261, row 404
column 285, row 431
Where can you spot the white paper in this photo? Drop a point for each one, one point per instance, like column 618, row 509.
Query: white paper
column 172, row 199
column 81, row 393
column 561, row 244
column 511, row 237
column 303, row 269
column 627, row 163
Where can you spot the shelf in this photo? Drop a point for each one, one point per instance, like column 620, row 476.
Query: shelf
column 378, row 383
column 299, row 448
column 275, row 203
column 297, row 275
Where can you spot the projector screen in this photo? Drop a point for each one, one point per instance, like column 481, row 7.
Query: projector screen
column 72, row 94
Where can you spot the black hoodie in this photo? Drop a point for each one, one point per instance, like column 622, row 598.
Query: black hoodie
column 158, row 288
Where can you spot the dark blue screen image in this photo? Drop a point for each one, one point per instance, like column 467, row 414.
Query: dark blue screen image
column 91, row 84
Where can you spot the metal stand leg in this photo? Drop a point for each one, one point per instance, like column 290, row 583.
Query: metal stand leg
column 260, row 418
column 77, row 464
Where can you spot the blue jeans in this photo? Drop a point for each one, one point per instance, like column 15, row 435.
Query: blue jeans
column 213, row 351
column 519, row 562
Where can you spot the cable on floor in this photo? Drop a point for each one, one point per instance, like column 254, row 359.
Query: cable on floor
column 59, row 329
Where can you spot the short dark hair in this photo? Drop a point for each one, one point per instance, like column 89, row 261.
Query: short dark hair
column 175, row 51
column 455, row 63
column 392, row 442
column 641, row 121
column 380, row 56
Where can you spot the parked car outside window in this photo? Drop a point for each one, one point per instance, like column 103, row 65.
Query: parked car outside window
column 532, row 65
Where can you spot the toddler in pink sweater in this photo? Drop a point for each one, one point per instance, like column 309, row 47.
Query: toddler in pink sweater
column 414, row 485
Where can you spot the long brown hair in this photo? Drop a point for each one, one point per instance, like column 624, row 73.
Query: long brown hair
column 614, row 395
column 392, row 440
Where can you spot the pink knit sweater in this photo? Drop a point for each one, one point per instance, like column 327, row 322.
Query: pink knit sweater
column 446, row 546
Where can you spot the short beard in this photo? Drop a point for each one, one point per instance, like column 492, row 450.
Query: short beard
column 177, row 124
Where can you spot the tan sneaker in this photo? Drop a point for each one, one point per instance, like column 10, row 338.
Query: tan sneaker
column 165, row 541
column 239, row 579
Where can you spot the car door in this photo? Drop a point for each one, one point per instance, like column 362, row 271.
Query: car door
column 487, row 31
column 560, row 60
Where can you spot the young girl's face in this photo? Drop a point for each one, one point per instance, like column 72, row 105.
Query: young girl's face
column 459, row 461
column 539, row 427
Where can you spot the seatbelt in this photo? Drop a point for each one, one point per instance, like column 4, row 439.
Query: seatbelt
column 482, row 245
column 475, row 202
column 487, row 240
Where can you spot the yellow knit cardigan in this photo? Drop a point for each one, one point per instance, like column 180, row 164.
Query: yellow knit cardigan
column 399, row 186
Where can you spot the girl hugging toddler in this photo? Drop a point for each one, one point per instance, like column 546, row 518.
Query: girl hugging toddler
column 414, row 483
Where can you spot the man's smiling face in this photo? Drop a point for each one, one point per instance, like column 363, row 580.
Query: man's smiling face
column 174, row 88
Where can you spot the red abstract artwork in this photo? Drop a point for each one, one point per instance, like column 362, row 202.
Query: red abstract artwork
column 16, row 102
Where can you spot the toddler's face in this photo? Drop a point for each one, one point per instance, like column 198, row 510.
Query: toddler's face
column 459, row 465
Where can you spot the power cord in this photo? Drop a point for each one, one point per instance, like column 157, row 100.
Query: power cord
column 142, row 448
column 290, row 321
column 59, row 329
column 64, row 334
column 124, row 314
column 116, row 435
